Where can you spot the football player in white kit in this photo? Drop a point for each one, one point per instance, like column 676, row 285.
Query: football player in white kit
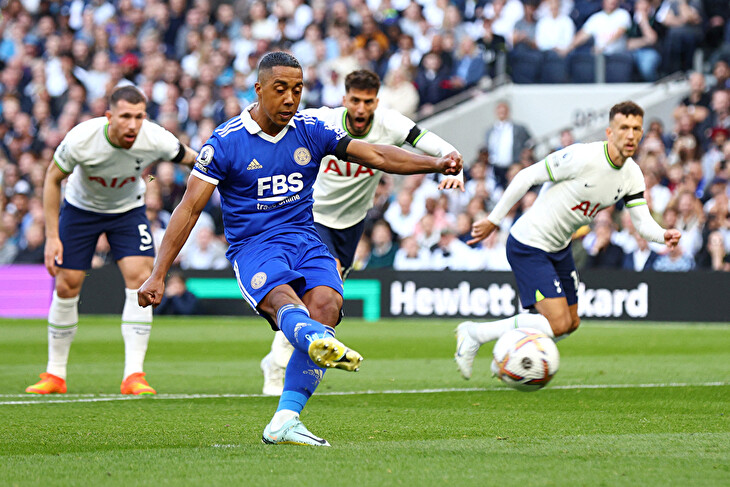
column 578, row 182
column 344, row 191
column 105, row 158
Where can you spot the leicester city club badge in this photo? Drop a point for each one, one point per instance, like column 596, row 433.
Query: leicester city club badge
column 258, row 280
column 302, row 156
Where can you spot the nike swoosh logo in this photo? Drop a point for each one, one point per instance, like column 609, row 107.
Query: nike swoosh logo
column 318, row 440
column 145, row 247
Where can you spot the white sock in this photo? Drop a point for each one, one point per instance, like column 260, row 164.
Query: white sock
column 281, row 417
column 281, row 350
column 492, row 330
column 136, row 327
column 63, row 317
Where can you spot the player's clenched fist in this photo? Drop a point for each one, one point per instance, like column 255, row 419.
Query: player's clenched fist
column 451, row 163
column 151, row 292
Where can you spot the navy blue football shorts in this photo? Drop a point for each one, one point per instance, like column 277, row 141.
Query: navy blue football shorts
column 128, row 234
column 300, row 260
column 341, row 243
column 541, row 274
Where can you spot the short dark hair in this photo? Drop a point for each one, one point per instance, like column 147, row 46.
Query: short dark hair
column 276, row 58
column 362, row 79
column 129, row 93
column 626, row 108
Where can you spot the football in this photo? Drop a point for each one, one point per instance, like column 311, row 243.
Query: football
column 525, row 359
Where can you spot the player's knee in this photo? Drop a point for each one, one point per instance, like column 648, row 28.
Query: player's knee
column 574, row 324
column 561, row 324
column 68, row 288
column 325, row 309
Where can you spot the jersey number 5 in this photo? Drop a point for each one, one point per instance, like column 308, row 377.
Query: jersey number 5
column 145, row 242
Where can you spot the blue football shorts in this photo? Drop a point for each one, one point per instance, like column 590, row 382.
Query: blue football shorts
column 128, row 234
column 300, row 260
column 342, row 243
column 541, row 274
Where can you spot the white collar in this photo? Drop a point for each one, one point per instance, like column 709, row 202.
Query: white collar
column 253, row 127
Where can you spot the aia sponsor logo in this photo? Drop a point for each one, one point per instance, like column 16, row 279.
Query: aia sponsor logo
column 114, row 182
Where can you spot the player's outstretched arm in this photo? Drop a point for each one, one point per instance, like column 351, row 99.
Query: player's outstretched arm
column 182, row 221
column 398, row 161
column 521, row 183
column 51, row 206
column 647, row 227
column 434, row 145
column 189, row 156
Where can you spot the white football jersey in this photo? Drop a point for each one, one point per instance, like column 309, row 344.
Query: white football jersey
column 344, row 191
column 583, row 181
column 105, row 178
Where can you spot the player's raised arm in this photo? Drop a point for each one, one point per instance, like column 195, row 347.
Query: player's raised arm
column 182, row 221
column 522, row 182
column 51, row 207
column 398, row 161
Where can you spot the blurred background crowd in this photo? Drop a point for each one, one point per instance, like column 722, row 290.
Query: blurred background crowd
column 196, row 62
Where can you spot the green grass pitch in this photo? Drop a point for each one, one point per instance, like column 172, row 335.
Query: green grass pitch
column 633, row 404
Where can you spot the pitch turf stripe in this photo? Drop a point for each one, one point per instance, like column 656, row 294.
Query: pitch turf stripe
column 81, row 398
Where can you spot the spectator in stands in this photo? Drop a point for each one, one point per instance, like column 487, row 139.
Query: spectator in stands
column 493, row 253
column 714, row 154
column 32, row 251
column 676, row 260
column 682, row 20
column 505, row 141
column 178, row 300
column 453, row 254
column 469, row 66
column 523, row 34
column 555, row 31
column 403, row 216
column 607, row 28
column 8, row 249
column 206, row 252
column 399, row 93
column 721, row 73
column 720, row 109
column 431, row 82
column 383, row 250
column 493, row 45
column 602, row 253
column 697, row 103
column 642, row 258
column 643, row 41
column 411, row 256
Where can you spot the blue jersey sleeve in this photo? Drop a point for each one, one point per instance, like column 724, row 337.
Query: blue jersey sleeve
column 212, row 164
column 328, row 136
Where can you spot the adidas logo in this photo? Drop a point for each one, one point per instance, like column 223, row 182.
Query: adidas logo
column 254, row 165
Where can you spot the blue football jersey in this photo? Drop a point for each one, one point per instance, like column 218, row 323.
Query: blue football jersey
column 266, row 182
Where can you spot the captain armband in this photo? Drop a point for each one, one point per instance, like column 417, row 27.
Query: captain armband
column 633, row 200
column 180, row 154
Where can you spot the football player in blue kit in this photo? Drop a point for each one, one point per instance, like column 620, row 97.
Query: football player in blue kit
column 264, row 164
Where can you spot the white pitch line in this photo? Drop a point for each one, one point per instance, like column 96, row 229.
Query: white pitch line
column 81, row 398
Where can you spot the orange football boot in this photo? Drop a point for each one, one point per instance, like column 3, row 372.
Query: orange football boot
column 136, row 384
column 49, row 384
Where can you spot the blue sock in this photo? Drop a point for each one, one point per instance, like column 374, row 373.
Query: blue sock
column 302, row 375
column 298, row 327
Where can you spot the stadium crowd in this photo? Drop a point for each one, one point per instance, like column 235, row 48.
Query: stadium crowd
column 196, row 62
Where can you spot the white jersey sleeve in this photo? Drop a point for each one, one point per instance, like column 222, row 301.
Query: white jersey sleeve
column 165, row 142
column 64, row 156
